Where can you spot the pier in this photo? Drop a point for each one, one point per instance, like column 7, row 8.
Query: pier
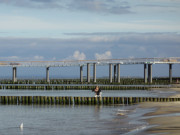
column 114, row 67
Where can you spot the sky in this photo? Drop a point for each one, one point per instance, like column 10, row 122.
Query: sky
column 88, row 29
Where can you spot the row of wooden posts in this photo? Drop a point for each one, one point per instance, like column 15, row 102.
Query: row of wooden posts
column 43, row 100
column 46, row 87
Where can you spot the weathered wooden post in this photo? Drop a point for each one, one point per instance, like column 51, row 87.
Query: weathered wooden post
column 52, row 100
column 23, row 100
column 89, row 101
column 110, row 100
column 3, row 100
column 42, row 100
column 67, row 100
column 75, row 100
column 49, row 100
column 45, row 100
column 71, row 100
column 30, row 99
column 38, row 100
column 13, row 100
column 26, row 100
column 95, row 100
column 79, row 100
column 56, row 100
column 125, row 100
column 60, row 100
column 63, row 100
column 19, row 100
column 130, row 100
column 9, row 100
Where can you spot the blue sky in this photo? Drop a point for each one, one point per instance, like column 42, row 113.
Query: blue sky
column 88, row 29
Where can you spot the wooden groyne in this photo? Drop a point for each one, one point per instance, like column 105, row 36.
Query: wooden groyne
column 81, row 86
column 50, row 100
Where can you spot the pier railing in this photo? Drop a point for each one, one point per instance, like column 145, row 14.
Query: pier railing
column 170, row 60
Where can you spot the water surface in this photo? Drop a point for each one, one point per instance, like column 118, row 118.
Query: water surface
column 74, row 119
column 77, row 120
column 86, row 93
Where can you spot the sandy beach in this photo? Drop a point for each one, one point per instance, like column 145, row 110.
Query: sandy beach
column 166, row 117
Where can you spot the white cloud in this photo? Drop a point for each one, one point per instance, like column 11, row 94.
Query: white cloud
column 77, row 56
column 37, row 57
column 9, row 58
column 106, row 55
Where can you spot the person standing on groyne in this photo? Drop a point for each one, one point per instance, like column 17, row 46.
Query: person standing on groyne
column 97, row 91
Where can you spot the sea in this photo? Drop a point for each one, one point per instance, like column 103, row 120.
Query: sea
column 75, row 119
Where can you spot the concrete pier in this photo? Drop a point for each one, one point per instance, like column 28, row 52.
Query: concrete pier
column 145, row 73
column 47, row 74
column 114, row 76
column 115, row 73
column 110, row 73
column 88, row 72
column 14, row 77
column 170, row 73
column 150, row 73
column 81, row 73
column 118, row 73
column 94, row 72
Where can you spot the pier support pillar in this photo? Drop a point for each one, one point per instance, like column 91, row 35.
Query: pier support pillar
column 88, row 72
column 110, row 73
column 115, row 73
column 150, row 73
column 118, row 73
column 47, row 74
column 170, row 73
column 145, row 73
column 94, row 72
column 14, row 78
column 81, row 73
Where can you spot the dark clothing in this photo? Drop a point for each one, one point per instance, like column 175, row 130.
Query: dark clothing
column 98, row 92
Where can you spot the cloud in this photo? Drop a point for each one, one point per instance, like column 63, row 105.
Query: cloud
column 9, row 58
column 106, row 55
column 99, row 6
column 39, row 4
column 37, row 57
column 121, row 45
column 95, row 6
column 20, row 58
column 163, row 38
column 77, row 56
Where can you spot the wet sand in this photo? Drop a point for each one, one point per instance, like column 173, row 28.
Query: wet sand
column 166, row 117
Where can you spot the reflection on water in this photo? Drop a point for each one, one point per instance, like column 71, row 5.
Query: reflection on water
column 76, row 120
column 90, row 120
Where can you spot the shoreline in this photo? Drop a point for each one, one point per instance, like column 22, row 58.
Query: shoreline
column 165, row 118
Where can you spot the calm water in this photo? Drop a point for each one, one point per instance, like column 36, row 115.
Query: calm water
column 76, row 120
column 86, row 93
column 68, row 120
